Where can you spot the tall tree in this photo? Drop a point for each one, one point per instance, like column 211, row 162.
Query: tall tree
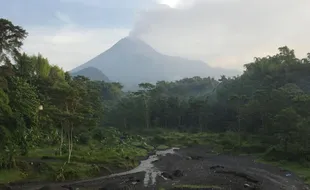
column 145, row 94
column 11, row 40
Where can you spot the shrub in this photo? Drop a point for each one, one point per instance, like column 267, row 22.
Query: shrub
column 84, row 138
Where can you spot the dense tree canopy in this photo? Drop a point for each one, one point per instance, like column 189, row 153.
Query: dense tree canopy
column 37, row 98
column 271, row 99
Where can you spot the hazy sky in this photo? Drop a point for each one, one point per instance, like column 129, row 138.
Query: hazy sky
column 226, row 33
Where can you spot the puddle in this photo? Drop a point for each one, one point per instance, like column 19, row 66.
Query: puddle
column 147, row 166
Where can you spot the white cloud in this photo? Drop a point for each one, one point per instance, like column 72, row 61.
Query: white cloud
column 73, row 46
column 64, row 18
column 227, row 33
column 70, row 45
column 170, row 3
column 95, row 3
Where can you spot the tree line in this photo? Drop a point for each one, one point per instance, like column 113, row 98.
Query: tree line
column 270, row 100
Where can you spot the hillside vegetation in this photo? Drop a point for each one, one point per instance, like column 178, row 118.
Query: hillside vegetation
column 57, row 127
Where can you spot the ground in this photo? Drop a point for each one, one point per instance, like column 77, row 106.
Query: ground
column 199, row 168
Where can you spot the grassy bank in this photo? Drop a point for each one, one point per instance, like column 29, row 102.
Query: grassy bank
column 297, row 168
column 41, row 165
column 110, row 154
column 96, row 157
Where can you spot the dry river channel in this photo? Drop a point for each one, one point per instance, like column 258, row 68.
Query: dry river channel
column 188, row 168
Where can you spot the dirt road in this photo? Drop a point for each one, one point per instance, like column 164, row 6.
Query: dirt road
column 195, row 167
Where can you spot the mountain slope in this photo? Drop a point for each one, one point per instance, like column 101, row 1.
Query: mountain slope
column 92, row 73
column 132, row 61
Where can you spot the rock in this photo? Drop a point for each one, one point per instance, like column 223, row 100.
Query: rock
column 110, row 186
column 5, row 187
column 159, row 159
column 177, row 173
column 196, row 157
column 239, row 174
column 47, row 187
column 133, row 179
column 216, row 167
column 167, row 175
column 253, row 187
column 246, row 185
column 134, row 183
column 69, row 187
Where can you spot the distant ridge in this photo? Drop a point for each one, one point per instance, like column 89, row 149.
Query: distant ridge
column 92, row 73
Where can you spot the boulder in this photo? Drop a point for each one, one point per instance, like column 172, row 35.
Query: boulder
column 5, row 187
column 216, row 167
column 167, row 175
column 110, row 186
column 178, row 173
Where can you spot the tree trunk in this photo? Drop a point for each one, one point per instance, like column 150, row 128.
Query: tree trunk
column 125, row 122
column 285, row 144
column 70, row 143
column 199, row 123
column 239, row 130
column 263, row 123
column 147, row 120
column 61, row 139
column 239, row 122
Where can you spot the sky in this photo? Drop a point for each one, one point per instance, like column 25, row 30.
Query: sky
column 223, row 33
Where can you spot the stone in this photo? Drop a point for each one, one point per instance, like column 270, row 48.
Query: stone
column 178, row 173
column 166, row 175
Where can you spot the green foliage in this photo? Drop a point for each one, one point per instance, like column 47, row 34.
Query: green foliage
column 84, row 138
column 41, row 104
column 6, row 154
column 42, row 66
column 5, row 109
column 23, row 97
column 7, row 176
column 11, row 40
column 270, row 99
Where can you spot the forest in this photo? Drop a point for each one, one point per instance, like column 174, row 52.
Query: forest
column 47, row 115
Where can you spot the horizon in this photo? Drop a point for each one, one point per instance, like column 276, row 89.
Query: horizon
column 216, row 33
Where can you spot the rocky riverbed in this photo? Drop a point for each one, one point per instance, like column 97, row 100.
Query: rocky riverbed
column 190, row 168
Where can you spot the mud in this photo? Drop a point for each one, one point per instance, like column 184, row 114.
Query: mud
column 191, row 167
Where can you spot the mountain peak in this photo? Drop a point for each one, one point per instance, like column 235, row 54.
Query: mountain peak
column 132, row 45
column 131, row 61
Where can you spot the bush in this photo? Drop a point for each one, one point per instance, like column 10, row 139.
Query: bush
column 252, row 148
column 84, row 138
column 23, row 166
column 159, row 140
column 98, row 134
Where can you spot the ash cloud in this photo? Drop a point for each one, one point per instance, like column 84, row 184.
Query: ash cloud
column 226, row 33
